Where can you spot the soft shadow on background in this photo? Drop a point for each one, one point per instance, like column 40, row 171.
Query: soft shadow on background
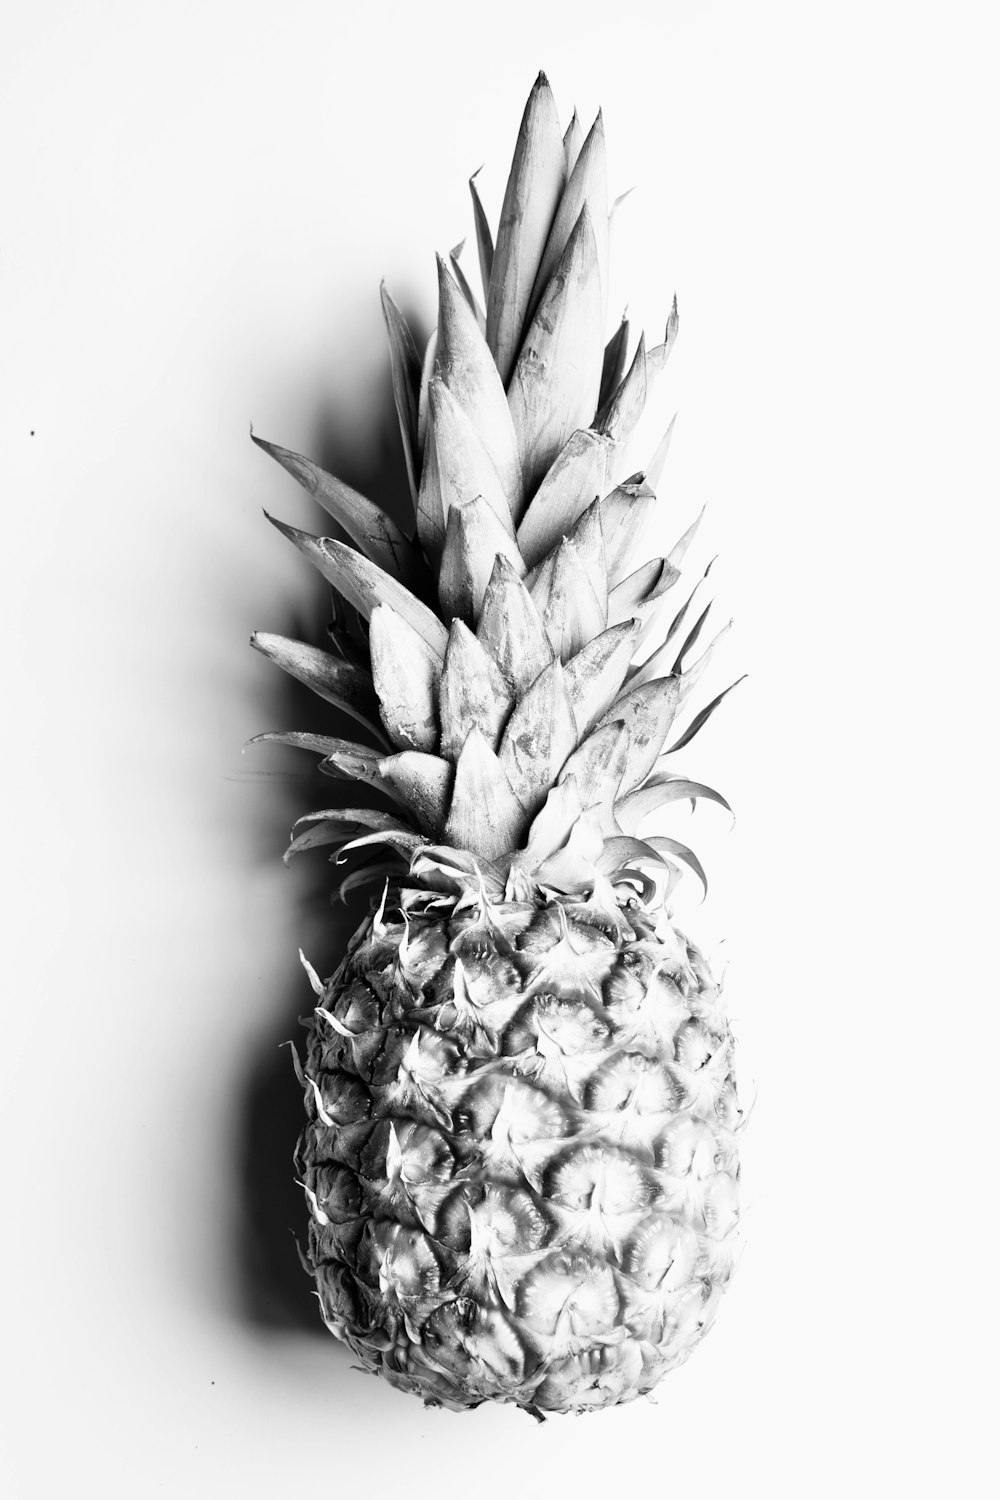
column 275, row 1291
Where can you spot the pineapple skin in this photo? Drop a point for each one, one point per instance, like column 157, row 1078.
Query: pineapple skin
column 520, row 1155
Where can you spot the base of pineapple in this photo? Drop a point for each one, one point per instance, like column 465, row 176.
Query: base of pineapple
column 520, row 1158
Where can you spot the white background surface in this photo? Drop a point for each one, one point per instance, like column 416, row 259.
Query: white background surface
column 198, row 202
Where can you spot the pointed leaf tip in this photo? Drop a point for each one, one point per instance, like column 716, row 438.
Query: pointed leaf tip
column 530, row 201
column 557, row 378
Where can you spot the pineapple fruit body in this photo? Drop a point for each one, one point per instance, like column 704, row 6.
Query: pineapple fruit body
column 520, row 1154
column 520, row 1159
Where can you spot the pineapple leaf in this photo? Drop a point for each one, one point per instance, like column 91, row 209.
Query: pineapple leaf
column 422, row 783
column 659, row 790
column 465, row 366
column 595, row 674
column 625, row 513
column 473, row 694
column 484, row 239
column 354, row 763
column 587, row 187
column 572, row 142
column 328, row 826
column 641, row 589
column 320, row 744
column 574, row 482
column 368, row 527
column 660, row 353
column 363, row 584
column 696, row 669
column 343, row 758
column 648, row 713
column 597, row 767
column 511, row 629
column 556, row 381
column 618, row 417
column 405, row 365
column 430, row 502
column 373, row 870
column 423, row 401
column 615, row 355
column 474, row 539
column 574, row 867
column 343, row 686
column 534, row 186
column 406, row 672
column 665, row 846
column 689, row 640
column 622, row 850
column 657, row 664
column 654, row 468
column 540, row 734
column 486, row 817
column 552, row 825
column 465, row 468
column 466, row 290
column 401, row 839
column 679, row 550
column 571, row 599
column 700, row 719
column 440, row 867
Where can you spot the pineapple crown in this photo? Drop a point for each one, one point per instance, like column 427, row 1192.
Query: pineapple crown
column 512, row 710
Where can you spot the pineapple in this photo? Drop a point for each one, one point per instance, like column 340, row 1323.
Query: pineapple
column 520, row 1152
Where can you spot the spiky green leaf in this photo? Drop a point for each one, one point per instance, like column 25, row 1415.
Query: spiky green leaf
column 343, row 686
column 618, row 417
column 485, row 817
column 406, row 673
column 484, row 238
column 586, row 188
column 422, row 783
column 613, row 367
column 343, row 758
column 330, row 826
column 572, row 142
column 659, row 790
column 660, row 353
column 379, row 538
column 464, row 365
column 648, row 713
column 596, row 674
column 690, row 639
column 625, row 513
column 534, row 186
column 363, row 584
column 575, row 480
column 465, row 469
column 597, row 767
column 556, row 381
column 423, row 404
column 468, row 294
column 511, row 629
column 540, row 734
column 405, row 367
column 474, row 539
column 571, row 595
column 641, row 589
column 654, row 468
column 694, row 672
column 474, row 694
column 664, row 846
column 701, row 718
